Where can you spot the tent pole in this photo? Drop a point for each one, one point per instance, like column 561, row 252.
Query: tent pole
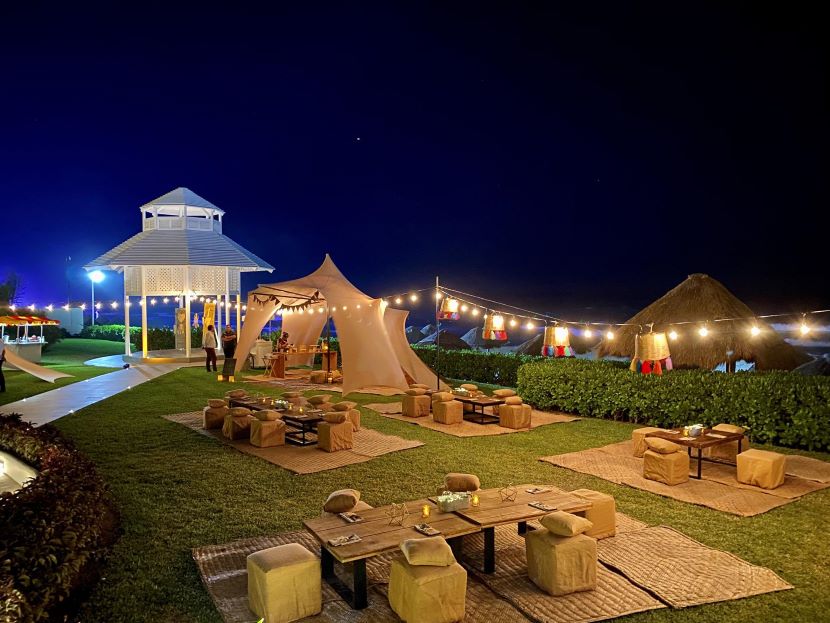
column 328, row 340
column 437, row 338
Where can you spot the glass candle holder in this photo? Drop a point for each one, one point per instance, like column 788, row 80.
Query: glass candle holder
column 474, row 501
column 425, row 510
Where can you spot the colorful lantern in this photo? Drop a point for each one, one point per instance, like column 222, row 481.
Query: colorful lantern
column 449, row 309
column 494, row 328
column 651, row 354
column 557, row 342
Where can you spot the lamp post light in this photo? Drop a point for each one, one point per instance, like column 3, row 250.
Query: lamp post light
column 96, row 276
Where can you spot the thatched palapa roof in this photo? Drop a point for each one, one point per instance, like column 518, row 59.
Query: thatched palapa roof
column 701, row 300
column 448, row 340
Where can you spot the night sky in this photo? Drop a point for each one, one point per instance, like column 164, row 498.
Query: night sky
column 576, row 159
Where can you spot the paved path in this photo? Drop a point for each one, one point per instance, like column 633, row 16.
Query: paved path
column 54, row 404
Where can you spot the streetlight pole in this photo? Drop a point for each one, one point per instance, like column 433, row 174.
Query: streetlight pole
column 96, row 276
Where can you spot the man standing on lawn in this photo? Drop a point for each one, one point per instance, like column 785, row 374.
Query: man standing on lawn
column 228, row 341
column 209, row 344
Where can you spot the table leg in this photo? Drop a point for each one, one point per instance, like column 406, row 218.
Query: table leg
column 489, row 550
column 457, row 546
column 522, row 527
column 361, row 586
column 358, row 595
column 699, row 461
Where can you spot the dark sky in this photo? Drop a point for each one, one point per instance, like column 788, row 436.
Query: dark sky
column 556, row 156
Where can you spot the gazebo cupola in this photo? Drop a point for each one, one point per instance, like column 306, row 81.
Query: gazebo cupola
column 181, row 252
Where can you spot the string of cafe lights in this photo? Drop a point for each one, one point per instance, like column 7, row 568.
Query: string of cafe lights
column 477, row 305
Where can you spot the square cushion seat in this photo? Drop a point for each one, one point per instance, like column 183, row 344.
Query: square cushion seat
column 639, row 438
column 284, row 583
column 449, row 412
column 561, row 565
column 427, row 594
column 515, row 416
column 213, row 417
column 332, row 437
column 603, row 513
column 318, row 376
column 671, row 469
column 267, row 433
column 728, row 451
column 415, row 406
column 237, row 427
column 761, row 468
column 354, row 418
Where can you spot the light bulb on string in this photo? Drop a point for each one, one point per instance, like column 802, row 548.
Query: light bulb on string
column 475, row 311
column 66, row 307
column 672, row 335
column 83, row 306
column 464, row 308
column 152, row 301
column 438, row 296
column 244, row 307
column 398, row 300
column 609, row 334
column 804, row 329
column 129, row 304
column 358, row 306
column 319, row 310
column 755, row 330
column 587, row 332
column 530, row 325
column 413, row 297
column 703, row 331
column 98, row 305
column 141, row 302
column 513, row 322
column 50, row 307
column 114, row 304
column 165, row 300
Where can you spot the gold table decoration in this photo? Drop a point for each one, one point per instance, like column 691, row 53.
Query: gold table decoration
column 508, row 493
column 397, row 513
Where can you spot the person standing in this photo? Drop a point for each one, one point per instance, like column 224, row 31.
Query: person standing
column 209, row 344
column 228, row 341
column 2, row 359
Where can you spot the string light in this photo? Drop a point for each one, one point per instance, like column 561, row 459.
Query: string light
column 32, row 307
column 672, row 335
column 588, row 332
column 610, row 335
column 464, row 308
column 358, row 306
column 475, row 311
column 804, row 329
column 413, row 297
column 755, row 331
column 703, row 331
column 244, row 307
column 141, row 302
column 13, row 307
column 530, row 325
column 114, row 305
column 98, row 306
column 83, row 306
column 50, row 307
column 128, row 304
column 319, row 310
column 165, row 300
column 438, row 296
column 152, row 301
column 513, row 322
column 398, row 300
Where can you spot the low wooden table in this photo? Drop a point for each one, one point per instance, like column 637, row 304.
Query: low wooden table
column 378, row 537
column 301, row 430
column 480, row 417
column 251, row 403
column 492, row 512
column 707, row 439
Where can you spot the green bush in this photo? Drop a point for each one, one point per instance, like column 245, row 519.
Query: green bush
column 778, row 407
column 56, row 530
column 157, row 338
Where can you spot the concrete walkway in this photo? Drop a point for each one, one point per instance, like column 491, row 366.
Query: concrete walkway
column 54, row 404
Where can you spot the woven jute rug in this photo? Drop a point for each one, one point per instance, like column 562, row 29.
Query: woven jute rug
column 392, row 410
column 368, row 444
column 683, row 572
column 719, row 489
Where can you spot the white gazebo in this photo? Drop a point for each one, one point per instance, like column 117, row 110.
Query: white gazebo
column 180, row 252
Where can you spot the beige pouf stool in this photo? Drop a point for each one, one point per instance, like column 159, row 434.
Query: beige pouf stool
column 445, row 409
column 352, row 413
column 237, row 424
column 336, row 432
column 665, row 461
column 603, row 513
column 761, row 468
column 318, row 377
column 514, row 413
column 284, row 583
column 213, row 415
column 415, row 403
column 638, row 437
column 727, row 451
column 457, row 482
column 560, row 558
column 426, row 584
column 267, row 432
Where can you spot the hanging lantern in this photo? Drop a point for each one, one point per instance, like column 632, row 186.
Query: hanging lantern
column 449, row 309
column 494, row 328
column 557, row 342
column 651, row 354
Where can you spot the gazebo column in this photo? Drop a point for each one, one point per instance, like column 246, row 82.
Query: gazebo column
column 238, row 313
column 143, row 315
column 127, row 346
column 188, row 334
column 228, row 297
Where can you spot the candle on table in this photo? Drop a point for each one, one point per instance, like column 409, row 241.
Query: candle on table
column 474, row 500
column 425, row 510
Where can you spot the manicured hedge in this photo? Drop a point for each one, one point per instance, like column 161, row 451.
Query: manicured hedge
column 474, row 365
column 779, row 407
column 157, row 338
column 56, row 530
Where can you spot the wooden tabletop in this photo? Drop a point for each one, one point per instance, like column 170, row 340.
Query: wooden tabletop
column 377, row 536
column 705, row 440
column 492, row 511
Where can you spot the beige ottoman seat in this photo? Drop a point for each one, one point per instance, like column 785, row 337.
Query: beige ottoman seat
column 514, row 413
column 426, row 584
column 267, row 433
column 319, row 377
column 284, row 583
column 639, row 438
column 728, row 451
column 415, row 403
column 458, row 482
column 665, row 461
column 237, row 425
column 336, row 432
column 560, row 558
column 761, row 468
column 214, row 417
column 603, row 513
column 445, row 409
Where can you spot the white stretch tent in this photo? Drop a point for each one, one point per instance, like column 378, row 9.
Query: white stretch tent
column 373, row 347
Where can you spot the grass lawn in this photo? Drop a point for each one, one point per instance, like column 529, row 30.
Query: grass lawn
column 178, row 489
column 66, row 356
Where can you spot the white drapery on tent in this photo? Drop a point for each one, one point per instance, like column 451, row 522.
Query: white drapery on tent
column 374, row 351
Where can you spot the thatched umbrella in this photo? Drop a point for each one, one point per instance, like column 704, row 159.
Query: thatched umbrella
column 475, row 340
column 429, row 329
column 413, row 335
column 579, row 343
column 448, row 340
column 697, row 300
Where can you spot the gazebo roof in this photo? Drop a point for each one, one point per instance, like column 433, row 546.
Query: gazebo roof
column 171, row 202
column 179, row 247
